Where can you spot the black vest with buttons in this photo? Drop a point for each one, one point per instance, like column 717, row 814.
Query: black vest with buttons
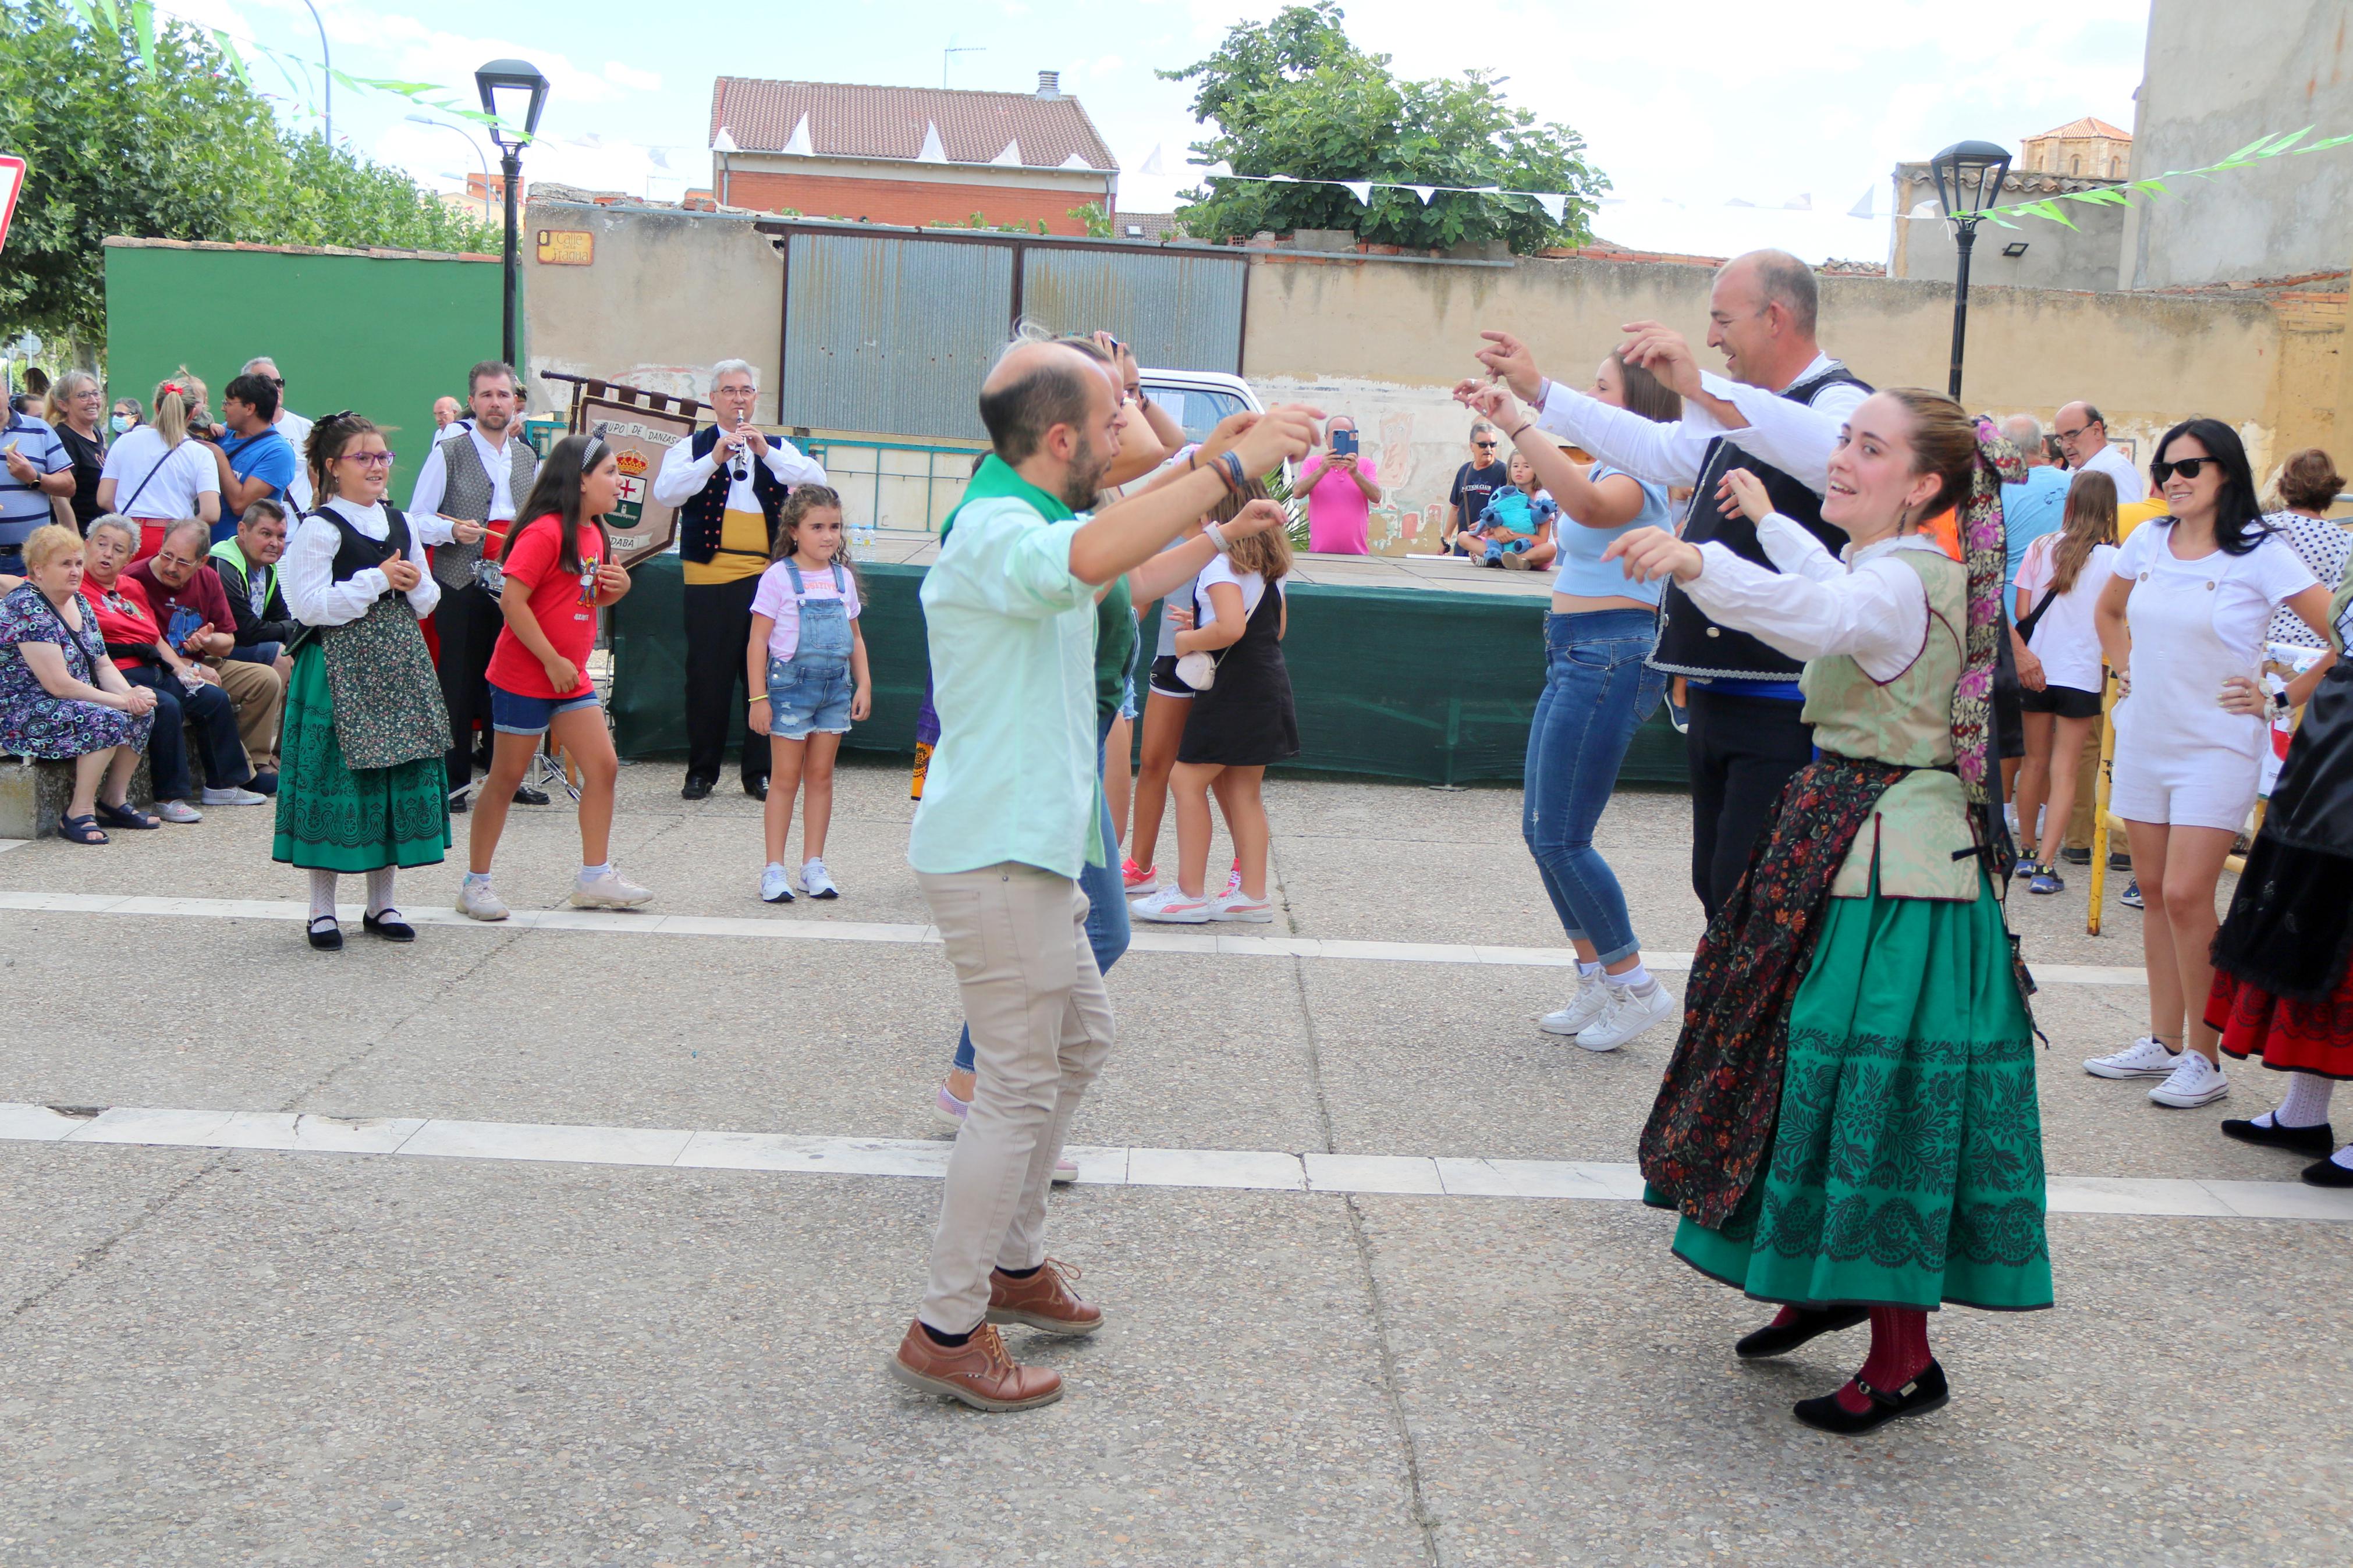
column 699, row 521
column 1689, row 643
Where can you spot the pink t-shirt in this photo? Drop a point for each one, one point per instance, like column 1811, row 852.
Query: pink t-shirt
column 1339, row 514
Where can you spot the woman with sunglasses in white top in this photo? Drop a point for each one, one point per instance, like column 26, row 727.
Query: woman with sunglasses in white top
column 2185, row 619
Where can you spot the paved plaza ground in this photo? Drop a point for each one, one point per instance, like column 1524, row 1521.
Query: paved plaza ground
column 584, row 1241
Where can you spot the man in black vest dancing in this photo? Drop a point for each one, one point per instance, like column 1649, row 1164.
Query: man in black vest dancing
column 1746, row 737
column 728, row 483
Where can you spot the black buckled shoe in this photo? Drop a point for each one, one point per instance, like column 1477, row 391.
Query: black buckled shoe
column 327, row 934
column 2317, row 1139
column 1922, row 1394
column 389, row 926
column 526, row 795
column 1771, row 1340
column 2327, row 1173
column 757, row 788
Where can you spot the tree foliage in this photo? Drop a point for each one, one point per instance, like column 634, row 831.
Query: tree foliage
column 1294, row 96
column 176, row 146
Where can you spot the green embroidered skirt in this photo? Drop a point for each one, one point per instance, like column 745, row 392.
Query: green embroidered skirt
column 333, row 819
column 1908, row 1162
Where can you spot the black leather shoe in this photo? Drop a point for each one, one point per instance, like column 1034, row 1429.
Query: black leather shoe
column 1771, row 1340
column 756, row 788
column 2076, row 857
column 697, row 788
column 390, row 927
column 326, row 935
column 460, row 804
column 2295, row 1140
column 2327, row 1173
column 1922, row 1394
column 526, row 795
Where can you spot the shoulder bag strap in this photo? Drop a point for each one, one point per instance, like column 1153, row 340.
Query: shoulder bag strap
column 168, row 452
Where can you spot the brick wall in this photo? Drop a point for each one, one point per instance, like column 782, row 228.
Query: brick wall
column 913, row 202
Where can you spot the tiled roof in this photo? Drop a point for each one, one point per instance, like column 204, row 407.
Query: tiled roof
column 2087, row 126
column 846, row 121
column 1154, row 226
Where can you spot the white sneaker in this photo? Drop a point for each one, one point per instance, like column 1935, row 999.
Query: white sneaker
column 1171, row 906
column 816, row 883
column 608, row 891
column 1239, row 906
column 2195, row 1082
column 178, row 811
column 234, row 795
column 1624, row 1015
column 2145, row 1057
column 476, row 902
column 1592, row 997
column 776, row 884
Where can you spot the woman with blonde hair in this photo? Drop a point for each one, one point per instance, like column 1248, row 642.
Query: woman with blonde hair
column 2058, row 651
column 61, row 695
column 156, row 476
column 77, row 413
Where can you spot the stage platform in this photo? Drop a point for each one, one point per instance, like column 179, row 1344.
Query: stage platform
column 1412, row 668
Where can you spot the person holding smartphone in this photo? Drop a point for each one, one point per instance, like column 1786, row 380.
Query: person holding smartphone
column 1341, row 486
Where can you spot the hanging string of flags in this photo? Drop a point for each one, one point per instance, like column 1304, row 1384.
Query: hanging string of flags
column 1554, row 202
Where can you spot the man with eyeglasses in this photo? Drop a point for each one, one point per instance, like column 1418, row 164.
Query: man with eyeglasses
column 191, row 605
column 468, row 490
column 1476, row 484
column 728, row 483
column 290, row 425
column 2083, row 437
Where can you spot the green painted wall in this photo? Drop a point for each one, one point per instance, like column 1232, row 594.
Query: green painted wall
column 384, row 335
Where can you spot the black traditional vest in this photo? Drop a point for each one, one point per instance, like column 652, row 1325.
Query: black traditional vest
column 355, row 551
column 1689, row 643
column 699, row 518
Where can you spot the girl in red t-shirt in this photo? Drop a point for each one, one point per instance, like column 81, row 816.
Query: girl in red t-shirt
column 557, row 578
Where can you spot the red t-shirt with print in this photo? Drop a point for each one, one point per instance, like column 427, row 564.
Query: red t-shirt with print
column 565, row 610
column 124, row 617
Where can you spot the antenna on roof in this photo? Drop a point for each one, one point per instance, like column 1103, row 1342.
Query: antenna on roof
column 954, row 49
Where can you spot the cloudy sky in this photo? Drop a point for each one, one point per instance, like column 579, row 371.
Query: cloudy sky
column 1688, row 107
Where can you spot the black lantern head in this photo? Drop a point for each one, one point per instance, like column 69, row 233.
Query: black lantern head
column 1969, row 176
column 514, row 92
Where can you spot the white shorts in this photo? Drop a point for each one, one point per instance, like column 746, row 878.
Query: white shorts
column 2206, row 786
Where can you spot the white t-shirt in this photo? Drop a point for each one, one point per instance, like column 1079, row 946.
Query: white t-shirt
column 2065, row 639
column 1221, row 570
column 182, row 473
column 2246, row 588
column 297, row 431
column 2130, row 486
column 774, row 598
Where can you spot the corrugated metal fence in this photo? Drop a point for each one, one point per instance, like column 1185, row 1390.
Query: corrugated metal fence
column 892, row 333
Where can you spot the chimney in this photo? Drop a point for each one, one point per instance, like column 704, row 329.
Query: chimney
column 1049, row 84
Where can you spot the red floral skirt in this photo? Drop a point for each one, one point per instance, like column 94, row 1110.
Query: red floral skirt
column 2293, row 1037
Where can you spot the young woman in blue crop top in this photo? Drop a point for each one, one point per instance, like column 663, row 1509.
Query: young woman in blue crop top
column 1598, row 690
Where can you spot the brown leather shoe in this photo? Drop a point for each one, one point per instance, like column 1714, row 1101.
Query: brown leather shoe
column 977, row 1371
column 1044, row 1300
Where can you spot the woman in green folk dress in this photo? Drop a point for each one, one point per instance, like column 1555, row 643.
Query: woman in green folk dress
column 363, row 788
column 1848, row 1125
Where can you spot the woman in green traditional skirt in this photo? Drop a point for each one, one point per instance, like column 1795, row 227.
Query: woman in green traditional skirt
column 1849, row 1124
column 362, row 788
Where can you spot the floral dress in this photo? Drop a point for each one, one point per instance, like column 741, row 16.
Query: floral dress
column 32, row 722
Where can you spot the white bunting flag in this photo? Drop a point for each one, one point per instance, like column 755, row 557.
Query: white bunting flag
column 1362, row 190
column 1423, row 191
column 1553, row 205
column 1152, row 164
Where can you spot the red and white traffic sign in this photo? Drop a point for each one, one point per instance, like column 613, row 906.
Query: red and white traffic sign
column 12, row 181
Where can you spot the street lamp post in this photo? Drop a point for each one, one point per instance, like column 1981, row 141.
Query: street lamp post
column 473, row 146
column 513, row 93
column 1968, row 177
column 326, row 70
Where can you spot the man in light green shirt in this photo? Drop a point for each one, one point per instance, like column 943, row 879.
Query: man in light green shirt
column 1009, row 818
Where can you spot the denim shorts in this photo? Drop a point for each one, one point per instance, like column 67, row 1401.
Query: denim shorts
column 808, row 697
column 512, row 713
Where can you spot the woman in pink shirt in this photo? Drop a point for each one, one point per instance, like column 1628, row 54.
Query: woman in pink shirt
column 1340, row 492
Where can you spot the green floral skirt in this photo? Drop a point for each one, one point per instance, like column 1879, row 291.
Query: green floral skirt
column 1908, row 1161
column 333, row 819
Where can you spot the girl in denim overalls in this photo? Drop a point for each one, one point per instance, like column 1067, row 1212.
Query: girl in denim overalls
column 805, row 666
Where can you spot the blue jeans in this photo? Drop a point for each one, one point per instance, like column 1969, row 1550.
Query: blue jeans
column 1107, row 926
column 1598, row 690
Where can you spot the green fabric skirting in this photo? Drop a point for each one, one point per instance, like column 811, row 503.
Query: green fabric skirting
column 1908, row 1161
column 332, row 818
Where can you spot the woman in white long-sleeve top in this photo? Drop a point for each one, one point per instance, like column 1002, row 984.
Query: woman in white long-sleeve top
column 1849, row 1123
column 364, row 787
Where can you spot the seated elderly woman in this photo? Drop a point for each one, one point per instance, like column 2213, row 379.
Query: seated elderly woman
column 61, row 696
column 185, row 691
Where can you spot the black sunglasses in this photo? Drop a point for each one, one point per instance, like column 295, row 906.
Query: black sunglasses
column 2187, row 467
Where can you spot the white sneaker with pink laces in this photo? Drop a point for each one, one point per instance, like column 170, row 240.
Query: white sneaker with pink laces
column 1172, row 905
column 1239, row 906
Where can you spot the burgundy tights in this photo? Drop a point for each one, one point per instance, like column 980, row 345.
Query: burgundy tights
column 1899, row 1351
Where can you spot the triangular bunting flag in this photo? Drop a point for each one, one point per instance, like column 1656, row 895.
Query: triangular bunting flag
column 798, row 144
column 932, row 151
column 1863, row 208
column 1423, row 191
column 1151, row 166
column 723, row 143
column 1553, row 205
column 1362, row 190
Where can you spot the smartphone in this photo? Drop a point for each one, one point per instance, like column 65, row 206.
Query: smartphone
column 1343, row 443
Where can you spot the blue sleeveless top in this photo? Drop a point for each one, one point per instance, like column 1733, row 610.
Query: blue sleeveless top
column 1582, row 570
